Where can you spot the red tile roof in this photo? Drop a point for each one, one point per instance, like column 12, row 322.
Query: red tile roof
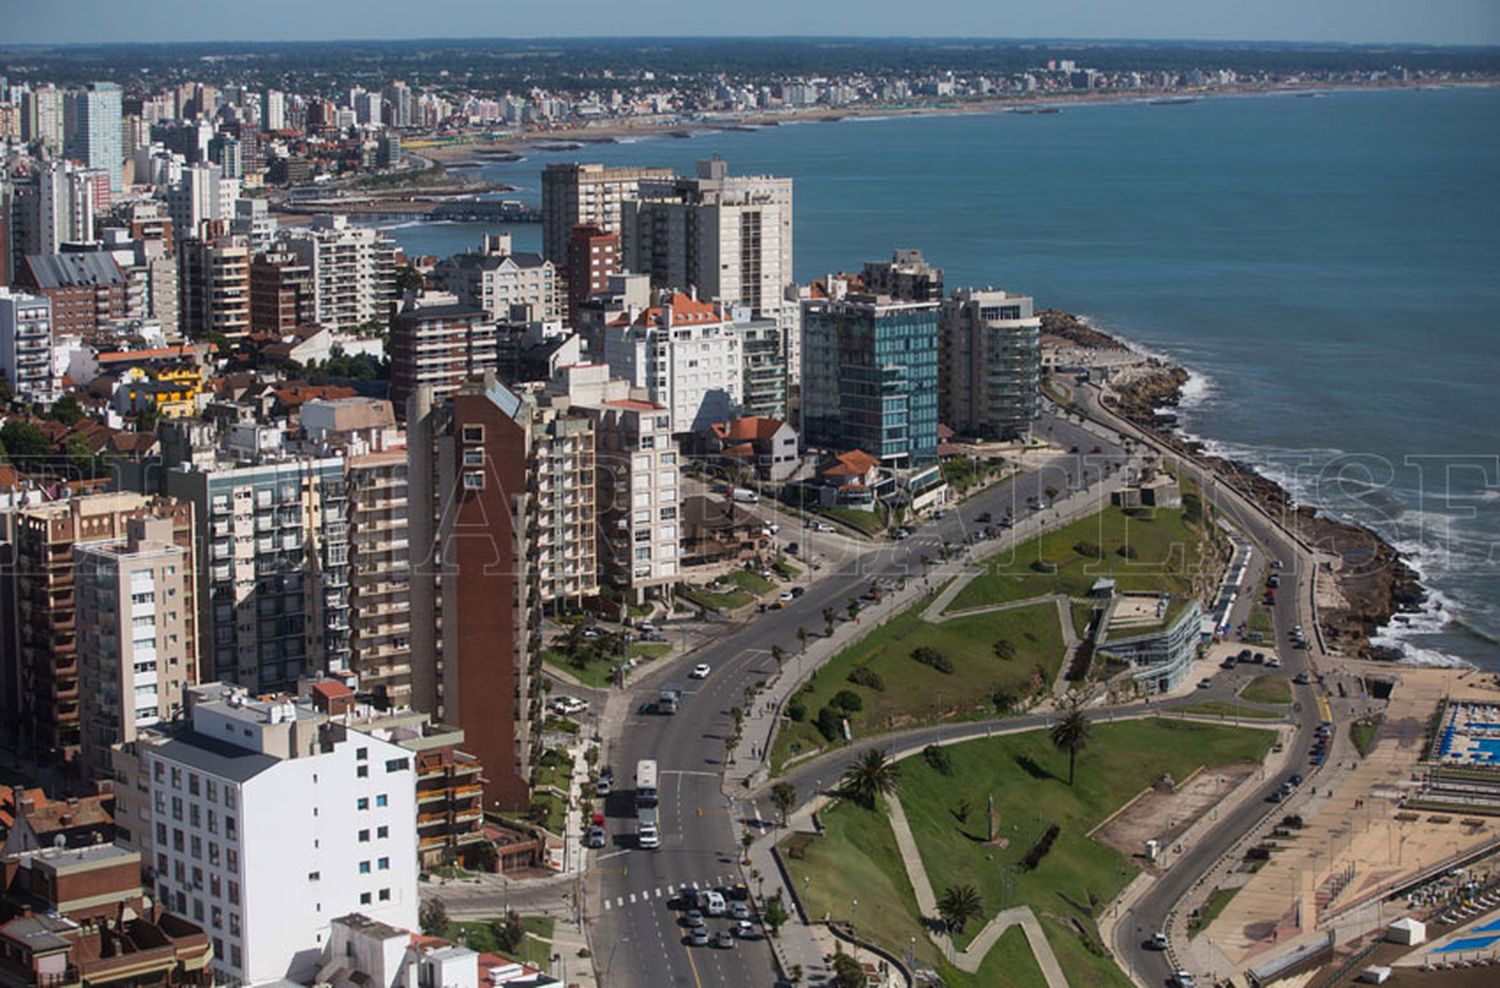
column 855, row 463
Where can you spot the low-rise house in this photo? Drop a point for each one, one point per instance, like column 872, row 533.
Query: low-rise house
column 766, row 445
column 1157, row 635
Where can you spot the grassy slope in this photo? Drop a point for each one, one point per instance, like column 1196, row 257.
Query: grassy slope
column 912, row 690
column 1267, row 689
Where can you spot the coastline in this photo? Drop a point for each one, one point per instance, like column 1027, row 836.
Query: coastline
column 563, row 137
column 1374, row 582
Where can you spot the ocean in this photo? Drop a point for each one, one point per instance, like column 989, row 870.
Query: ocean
column 1328, row 268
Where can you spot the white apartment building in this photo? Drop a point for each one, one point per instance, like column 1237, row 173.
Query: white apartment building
column 91, row 129
column 267, row 819
column 638, row 478
column 685, row 354
column 520, row 287
column 137, row 641
column 562, row 468
column 26, row 345
column 353, row 271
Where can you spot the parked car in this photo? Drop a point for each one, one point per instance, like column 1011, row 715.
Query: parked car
column 1302, row 679
column 1158, row 941
column 700, row 671
column 698, row 937
column 568, row 705
column 793, row 549
column 787, row 597
column 984, row 518
column 797, row 592
column 597, row 837
column 604, row 786
column 1183, row 979
column 820, row 526
column 1205, row 683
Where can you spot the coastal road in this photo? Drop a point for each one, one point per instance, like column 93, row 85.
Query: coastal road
column 636, row 937
column 1293, row 608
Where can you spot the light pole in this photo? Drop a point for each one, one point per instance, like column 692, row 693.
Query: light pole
column 854, row 917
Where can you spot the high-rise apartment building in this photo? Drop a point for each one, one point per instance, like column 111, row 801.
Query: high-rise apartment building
column 196, row 198
column 509, row 286
column 729, row 237
column 214, row 281
column 273, row 559
column 591, row 195
column 566, row 545
column 989, row 364
column 475, row 601
column 438, row 343
column 353, row 271
column 273, row 111
column 905, row 277
column 42, row 118
column 268, row 818
column 92, row 130
column 87, row 289
column 280, row 293
column 46, row 673
column 870, row 377
column 685, row 354
column 137, row 635
column 637, row 469
column 593, row 256
column 26, row 346
column 763, row 359
column 379, row 577
column 398, row 104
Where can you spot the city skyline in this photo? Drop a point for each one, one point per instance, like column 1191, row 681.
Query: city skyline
column 1442, row 22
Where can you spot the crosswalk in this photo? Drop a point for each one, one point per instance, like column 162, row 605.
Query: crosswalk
column 664, row 892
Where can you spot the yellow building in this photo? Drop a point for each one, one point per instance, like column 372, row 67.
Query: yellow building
column 172, row 390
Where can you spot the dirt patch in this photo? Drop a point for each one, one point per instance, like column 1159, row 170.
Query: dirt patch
column 1164, row 814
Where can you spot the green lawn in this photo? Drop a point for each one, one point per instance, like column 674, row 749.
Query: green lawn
column 596, row 673
column 1219, row 708
column 1209, row 911
column 1268, row 689
column 1362, row 733
column 650, row 651
column 868, row 522
column 534, row 949
column 785, row 568
column 1260, row 620
column 1166, row 558
column 717, row 601
column 914, row 692
column 746, row 580
column 555, row 768
column 856, row 856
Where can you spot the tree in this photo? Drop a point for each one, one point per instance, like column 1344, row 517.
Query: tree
column 1005, row 649
column 828, row 617
column 25, row 446
column 146, row 418
column 433, row 918
column 959, row 906
column 80, row 456
column 1071, row 734
column 848, row 972
column 784, row 798
column 853, row 608
column 66, row 410
column 1004, row 699
column 774, row 914
column 872, row 775
column 778, row 655
column 509, row 932
column 802, row 637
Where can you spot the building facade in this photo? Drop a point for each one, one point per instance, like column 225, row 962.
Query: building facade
column 352, row 268
column 137, row 635
column 26, row 346
column 379, row 574
column 521, row 287
column 685, row 354
column 92, row 129
column 989, row 364
column 214, row 281
column 870, row 377
column 593, row 255
column 592, row 195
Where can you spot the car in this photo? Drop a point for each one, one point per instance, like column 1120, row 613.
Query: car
column 1183, row 979
column 744, row 929
column 647, row 837
column 1243, row 655
column 1227, row 663
column 820, row 527
column 713, row 903
column 693, row 919
column 593, row 631
column 1158, row 941
column 1097, row 449
column 939, row 515
column 698, row 937
column 984, row 518
column 596, row 837
column 1302, row 679
column 1277, row 796
column 604, row 786
column 902, row 535
column 1272, row 662
column 1205, row 683
column 739, row 892
column 645, row 627
column 793, row 549
column 1260, row 658
column 724, row 940
column 1296, row 779
column 797, row 592
column 739, row 910
column 568, row 705
column 787, row 597
column 701, row 671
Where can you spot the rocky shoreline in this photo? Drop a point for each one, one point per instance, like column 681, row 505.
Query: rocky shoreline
column 1372, row 579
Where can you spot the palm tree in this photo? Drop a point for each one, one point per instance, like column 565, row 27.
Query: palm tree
column 959, row 905
column 784, row 798
column 802, row 637
column 778, row 654
column 874, row 774
column 1071, row 734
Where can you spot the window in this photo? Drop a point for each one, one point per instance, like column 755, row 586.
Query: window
column 229, row 798
column 473, row 480
column 234, row 892
column 364, row 867
column 364, row 836
column 362, row 771
column 397, row 765
column 385, row 895
column 473, row 433
column 363, row 803
column 364, row 898
column 232, row 859
column 216, row 917
column 360, row 755
column 384, row 864
column 234, row 948
column 211, row 790
column 234, row 930
column 474, row 457
column 382, row 831
column 176, row 777
column 314, row 876
column 192, row 783
column 381, row 800
column 231, row 829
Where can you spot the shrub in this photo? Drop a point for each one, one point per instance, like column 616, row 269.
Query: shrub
column 829, row 724
column 1088, row 550
column 796, row 709
column 847, row 700
column 1127, row 550
column 932, row 657
column 865, row 676
column 1043, row 566
column 937, row 757
column 1005, row 649
column 1192, row 508
column 1040, row 848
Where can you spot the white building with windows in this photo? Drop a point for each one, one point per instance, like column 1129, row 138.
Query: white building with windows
column 685, row 354
column 26, row 345
column 266, row 820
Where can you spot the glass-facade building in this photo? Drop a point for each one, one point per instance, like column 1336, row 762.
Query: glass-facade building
column 870, row 378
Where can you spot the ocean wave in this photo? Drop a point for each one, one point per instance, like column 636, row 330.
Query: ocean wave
column 1431, row 658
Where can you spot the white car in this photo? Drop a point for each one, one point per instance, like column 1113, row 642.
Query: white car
column 822, row 527
column 701, row 671
column 569, row 705
column 787, row 597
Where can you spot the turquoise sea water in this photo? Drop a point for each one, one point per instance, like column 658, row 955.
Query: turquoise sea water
column 1328, row 267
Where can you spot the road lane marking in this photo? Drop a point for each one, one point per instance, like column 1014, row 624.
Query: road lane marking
column 693, row 966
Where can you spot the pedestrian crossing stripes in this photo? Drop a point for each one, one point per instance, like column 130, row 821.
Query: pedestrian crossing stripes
column 662, row 891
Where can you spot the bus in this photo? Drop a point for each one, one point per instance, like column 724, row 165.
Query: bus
column 645, row 783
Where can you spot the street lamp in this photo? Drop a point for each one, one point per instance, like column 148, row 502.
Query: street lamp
column 854, row 917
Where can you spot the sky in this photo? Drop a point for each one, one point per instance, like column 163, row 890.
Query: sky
column 1399, row 21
